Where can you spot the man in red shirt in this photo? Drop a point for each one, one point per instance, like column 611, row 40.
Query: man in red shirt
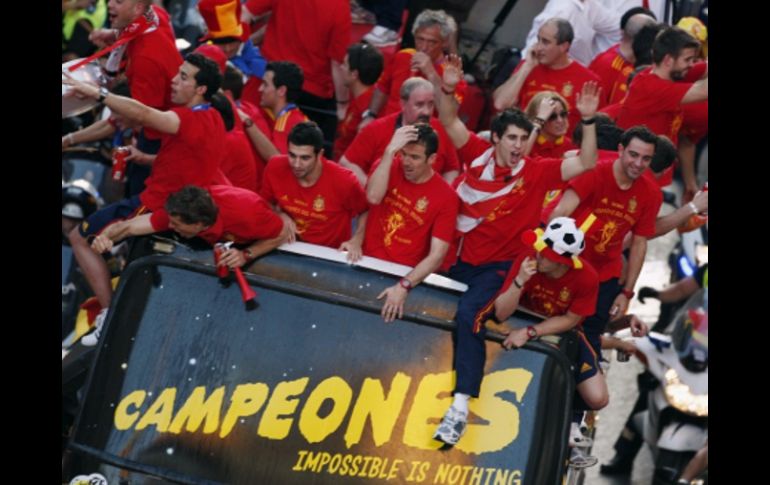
column 547, row 67
column 433, row 30
column 501, row 194
column 317, row 198
column 416, row 107
column 361, row 69
column 217, row 213
column 412, row 217
column 280, row 90
column 149, row 60
column 623, row 201
column 315, row 35
column 654, row 98
column 615, row 64
column 193, row 134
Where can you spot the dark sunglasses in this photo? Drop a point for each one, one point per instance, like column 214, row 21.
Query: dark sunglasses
column 564, row 115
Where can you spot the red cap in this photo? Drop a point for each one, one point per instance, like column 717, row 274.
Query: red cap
column 215, row 54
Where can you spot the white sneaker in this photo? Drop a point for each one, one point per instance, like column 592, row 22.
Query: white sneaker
column 578, row 439
column 580, row 459
column 452, row 427
column 92, row 337
column 380, row 36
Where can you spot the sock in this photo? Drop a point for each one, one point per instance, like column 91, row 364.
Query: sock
column 461, row 402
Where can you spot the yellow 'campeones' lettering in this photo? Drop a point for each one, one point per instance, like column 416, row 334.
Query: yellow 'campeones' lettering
column 211, row 413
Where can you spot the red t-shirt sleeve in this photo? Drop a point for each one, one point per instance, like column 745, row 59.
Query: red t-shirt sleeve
column 587, row 292
column 669, row 94
column 266, row 191
column 584, row 184
column 361, row 151
column 645, row 227
column 269, row 223
column 444, row 226
column 159, row 220
column 355, row 197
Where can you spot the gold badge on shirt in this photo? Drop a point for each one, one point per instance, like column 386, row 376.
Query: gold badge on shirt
column 394, row 222
column 564, row 294
column 567, row 89
column 422, row 204
column 608, row 231
column 632, row 205
column 318, row 203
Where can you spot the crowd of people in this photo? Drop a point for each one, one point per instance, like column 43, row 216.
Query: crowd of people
column 295, row 133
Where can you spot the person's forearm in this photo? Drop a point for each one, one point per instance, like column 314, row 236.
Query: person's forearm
column 377, row 101
column 377, row 185
column 635, row 261
column 507, row 302
column 358, row 236
column 357, row 171
column 588, row 150
column 262, row 143
column 555, row 325
column 341, row 92
column 98, row 130
column 667, row 223
column 507, row 95
column 428, row 265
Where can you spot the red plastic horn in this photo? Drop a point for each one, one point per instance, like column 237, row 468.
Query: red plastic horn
column 247, row 292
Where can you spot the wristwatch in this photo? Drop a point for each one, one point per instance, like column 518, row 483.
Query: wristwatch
column 368, row 114
column 248, row 122
column 405, row 284
column 531, row 332
column 103, row 92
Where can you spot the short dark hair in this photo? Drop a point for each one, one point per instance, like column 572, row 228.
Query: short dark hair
column 307, row 133
column 633, row 11
column 208, row 73
column 672, row 41
column 220, row 103
column 287, row 74
column 510, row 116
column 641, row 132
column 192, row 205
column 426, row 137
column 608, row 134
column 665, row 154
column 367, row 60
column 564, row 30
column 233, row 81
column 642, row 43
column 636, row 71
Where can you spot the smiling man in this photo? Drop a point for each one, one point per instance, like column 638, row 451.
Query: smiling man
column 623, row 201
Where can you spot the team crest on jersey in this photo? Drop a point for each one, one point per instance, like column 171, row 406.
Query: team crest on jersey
column 422, row 204
column 319, row 204
column 564, row 294
column 632, row 205
column 567, row 89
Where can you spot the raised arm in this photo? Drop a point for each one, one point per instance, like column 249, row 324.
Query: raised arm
column 163, row 121
column 587, row 103
column 446, row 103
column 377, row 185
column 568, row 203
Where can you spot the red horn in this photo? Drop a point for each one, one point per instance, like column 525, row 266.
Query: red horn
column 247, row 292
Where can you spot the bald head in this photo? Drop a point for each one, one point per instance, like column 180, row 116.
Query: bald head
column 635, row 24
